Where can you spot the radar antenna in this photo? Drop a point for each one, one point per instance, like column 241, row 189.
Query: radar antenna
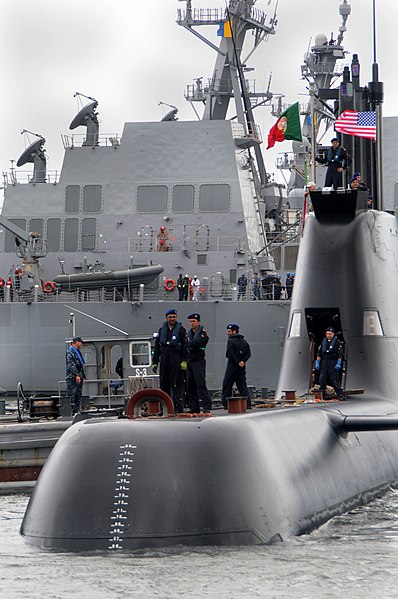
column 35, row 153
column 171, row 115
column 87, row 117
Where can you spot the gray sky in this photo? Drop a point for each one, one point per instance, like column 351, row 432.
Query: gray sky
column 129, row 55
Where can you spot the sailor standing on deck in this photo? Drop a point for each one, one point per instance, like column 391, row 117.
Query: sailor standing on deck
column 329, row 361
column 74, row 373
column 171, row 349
column 197, row 390
column 337, row 160
column 238, row 353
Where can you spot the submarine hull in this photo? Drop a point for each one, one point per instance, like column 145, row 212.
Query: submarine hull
column 235, row 480
column 260, row 477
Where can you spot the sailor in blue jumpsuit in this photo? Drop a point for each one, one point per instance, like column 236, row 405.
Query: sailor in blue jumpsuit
column 74, row 373
column 337, row 160
column 329, row 361
column 171, row 350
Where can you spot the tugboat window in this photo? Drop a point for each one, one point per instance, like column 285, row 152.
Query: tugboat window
column 183, row 198
column 92, row 198
column 295, row 325
column 140, row 352
column 72, row 199
column 214, row 198
column 372, row 323
column 152, row 198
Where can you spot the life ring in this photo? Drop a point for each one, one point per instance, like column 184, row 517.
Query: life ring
column 2, row 283
column 137, row 400
column 170, row 284
column 48, row 287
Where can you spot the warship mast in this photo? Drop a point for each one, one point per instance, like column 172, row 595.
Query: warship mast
column 228, row 81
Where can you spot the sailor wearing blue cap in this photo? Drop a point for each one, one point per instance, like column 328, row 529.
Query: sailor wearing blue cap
column 196, row 388
column 337, row 160
column 171, row 350
column 329, row 361
column 238, row 353
column 289, row 285
column 277, row 287
column 75, row 373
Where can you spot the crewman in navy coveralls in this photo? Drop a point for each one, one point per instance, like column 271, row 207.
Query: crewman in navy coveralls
column 337, row 160
column 238, row 353
column 171, row 349
column 74, row 373
column 329, row 360
column 197, row 389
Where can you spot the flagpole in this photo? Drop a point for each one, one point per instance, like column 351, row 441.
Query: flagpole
column 376, row 100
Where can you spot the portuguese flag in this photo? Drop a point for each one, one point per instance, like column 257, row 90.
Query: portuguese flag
column 286, row 127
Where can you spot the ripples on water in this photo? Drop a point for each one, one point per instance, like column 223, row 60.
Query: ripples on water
column 353, row 556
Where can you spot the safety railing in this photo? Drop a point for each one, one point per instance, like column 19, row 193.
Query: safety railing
column 23, row 177
column 112, row 391
column 76, row 140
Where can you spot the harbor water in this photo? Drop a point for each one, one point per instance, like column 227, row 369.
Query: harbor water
column 354, row 555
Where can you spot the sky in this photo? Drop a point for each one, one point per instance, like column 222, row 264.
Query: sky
column 131, row 55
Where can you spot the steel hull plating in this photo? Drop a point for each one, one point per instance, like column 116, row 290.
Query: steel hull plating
column 234, row 480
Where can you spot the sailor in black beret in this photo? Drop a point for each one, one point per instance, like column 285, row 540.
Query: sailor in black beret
column 171, row 352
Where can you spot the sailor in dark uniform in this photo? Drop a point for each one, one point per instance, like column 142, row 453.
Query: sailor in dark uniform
column 74, row 373
column 171, row 349
column 238, row 353
column 337, row 160
column 329, row 361
column 197, row 390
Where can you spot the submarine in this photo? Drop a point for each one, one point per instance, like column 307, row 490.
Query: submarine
column 247, row 479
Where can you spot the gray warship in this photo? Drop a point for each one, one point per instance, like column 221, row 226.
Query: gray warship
column 163, row 198
column 160, row 200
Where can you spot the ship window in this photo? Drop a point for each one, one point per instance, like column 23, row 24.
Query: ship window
column 201, row 259
column 89, row 231
column 71, row 234
column 372, row 323
column 53, row 236
column 9, row 243
column 214, row 198
column 140, row 353
column 295, row 325
column 92, row 198
column 36, row 225
column 232, row 276
column 183, row 198
column 290, row 256
column 152, row 198
column 72, row 199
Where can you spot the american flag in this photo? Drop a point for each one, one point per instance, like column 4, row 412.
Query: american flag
column 359, row 124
